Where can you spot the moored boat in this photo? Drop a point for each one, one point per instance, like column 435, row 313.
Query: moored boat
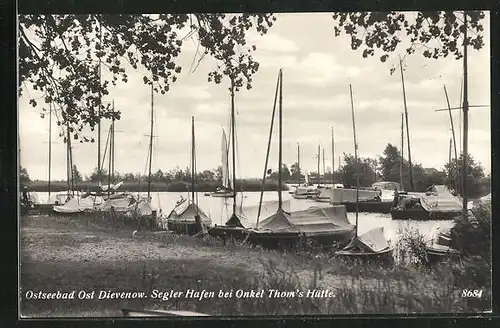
column 439, row 247
column 370, row 246
column 186, row 217
column 305, row 192
column 436, row 204
column 183, row 219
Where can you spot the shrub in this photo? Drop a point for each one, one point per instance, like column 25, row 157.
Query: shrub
column 471, row 234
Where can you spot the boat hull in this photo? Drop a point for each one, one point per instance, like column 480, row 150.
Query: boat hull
column 183, row 228
column 422, row 215
column 304, row 196
column 290, row 240
column 384, row 257
column 222, row 195
column 282, row 240
column 368, row 207
column 434, row 256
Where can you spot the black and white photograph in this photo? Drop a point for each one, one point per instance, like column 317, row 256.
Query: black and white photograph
column 242, row 164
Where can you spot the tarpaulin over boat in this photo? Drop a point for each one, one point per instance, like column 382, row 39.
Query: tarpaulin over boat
column 141, row 207
column 310, row 221
column 373, row 241
column 185, row 212
column 325, row 193
column 441, row 200
column 76, row 205
column 349, row 195
column 248, row 214
column 120, row 204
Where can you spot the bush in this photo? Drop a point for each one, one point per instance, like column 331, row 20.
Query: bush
column 471, row 234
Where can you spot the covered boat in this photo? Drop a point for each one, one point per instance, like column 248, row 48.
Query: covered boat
column 371, row 245
column 305, row 192
column 436, row 204
column 78, row 205
column 182, row 219
column 326, row 227
column 245, row 217
column 370, row 200
column 439, row 247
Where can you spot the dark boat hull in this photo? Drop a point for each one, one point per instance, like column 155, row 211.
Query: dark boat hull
column 283, row 240
column 368, row 207
column 437, row 255
column 384, row 257
column 183, row 228
column 422, row 215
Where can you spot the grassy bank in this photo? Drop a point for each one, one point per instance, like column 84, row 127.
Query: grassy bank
column 158, row 186
column 87, row 253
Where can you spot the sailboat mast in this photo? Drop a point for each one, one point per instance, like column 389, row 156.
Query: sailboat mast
column 402, row 152
column 356, row 159
column 150, row 143
column 99, row 178
column 324, row 166
column 68, row 169
column 50, row 146
column 333, row 159
column 407, row 128
column 280, row 161
column 298, row 163
column 449, row 152
column 192, row 160
column 233, row 145
column 466, row 122
column 319, row 151
column 451, row 122
column 112, row 150
column 110, row 158
column 71, row 168
column 267, row 153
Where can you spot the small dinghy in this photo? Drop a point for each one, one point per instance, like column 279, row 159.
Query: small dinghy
column 370, row 246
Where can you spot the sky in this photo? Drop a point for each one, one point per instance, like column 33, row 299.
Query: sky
column 317, row 71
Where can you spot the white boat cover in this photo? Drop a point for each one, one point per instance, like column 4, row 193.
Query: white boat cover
column 248, row 214
column 372, row 241
column 301, row 190
column 349, row 195
column 76, row 205
column 325, row 193
column 440, row 200
column 141, row 207
column 121, row 204
column 184, row 212
column 310, row 221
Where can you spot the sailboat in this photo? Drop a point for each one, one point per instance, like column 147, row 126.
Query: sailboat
column 326, row 226
column 372, row 244
column 187, row 217
column 226, row 190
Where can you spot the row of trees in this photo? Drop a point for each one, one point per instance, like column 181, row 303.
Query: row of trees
column 387, row 167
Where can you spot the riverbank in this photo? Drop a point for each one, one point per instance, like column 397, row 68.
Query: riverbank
column 157, row 186
column 74, row 254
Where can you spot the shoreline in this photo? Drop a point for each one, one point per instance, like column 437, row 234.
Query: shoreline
column 84, row 253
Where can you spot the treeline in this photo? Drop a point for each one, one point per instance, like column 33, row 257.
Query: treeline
column 387, row 167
